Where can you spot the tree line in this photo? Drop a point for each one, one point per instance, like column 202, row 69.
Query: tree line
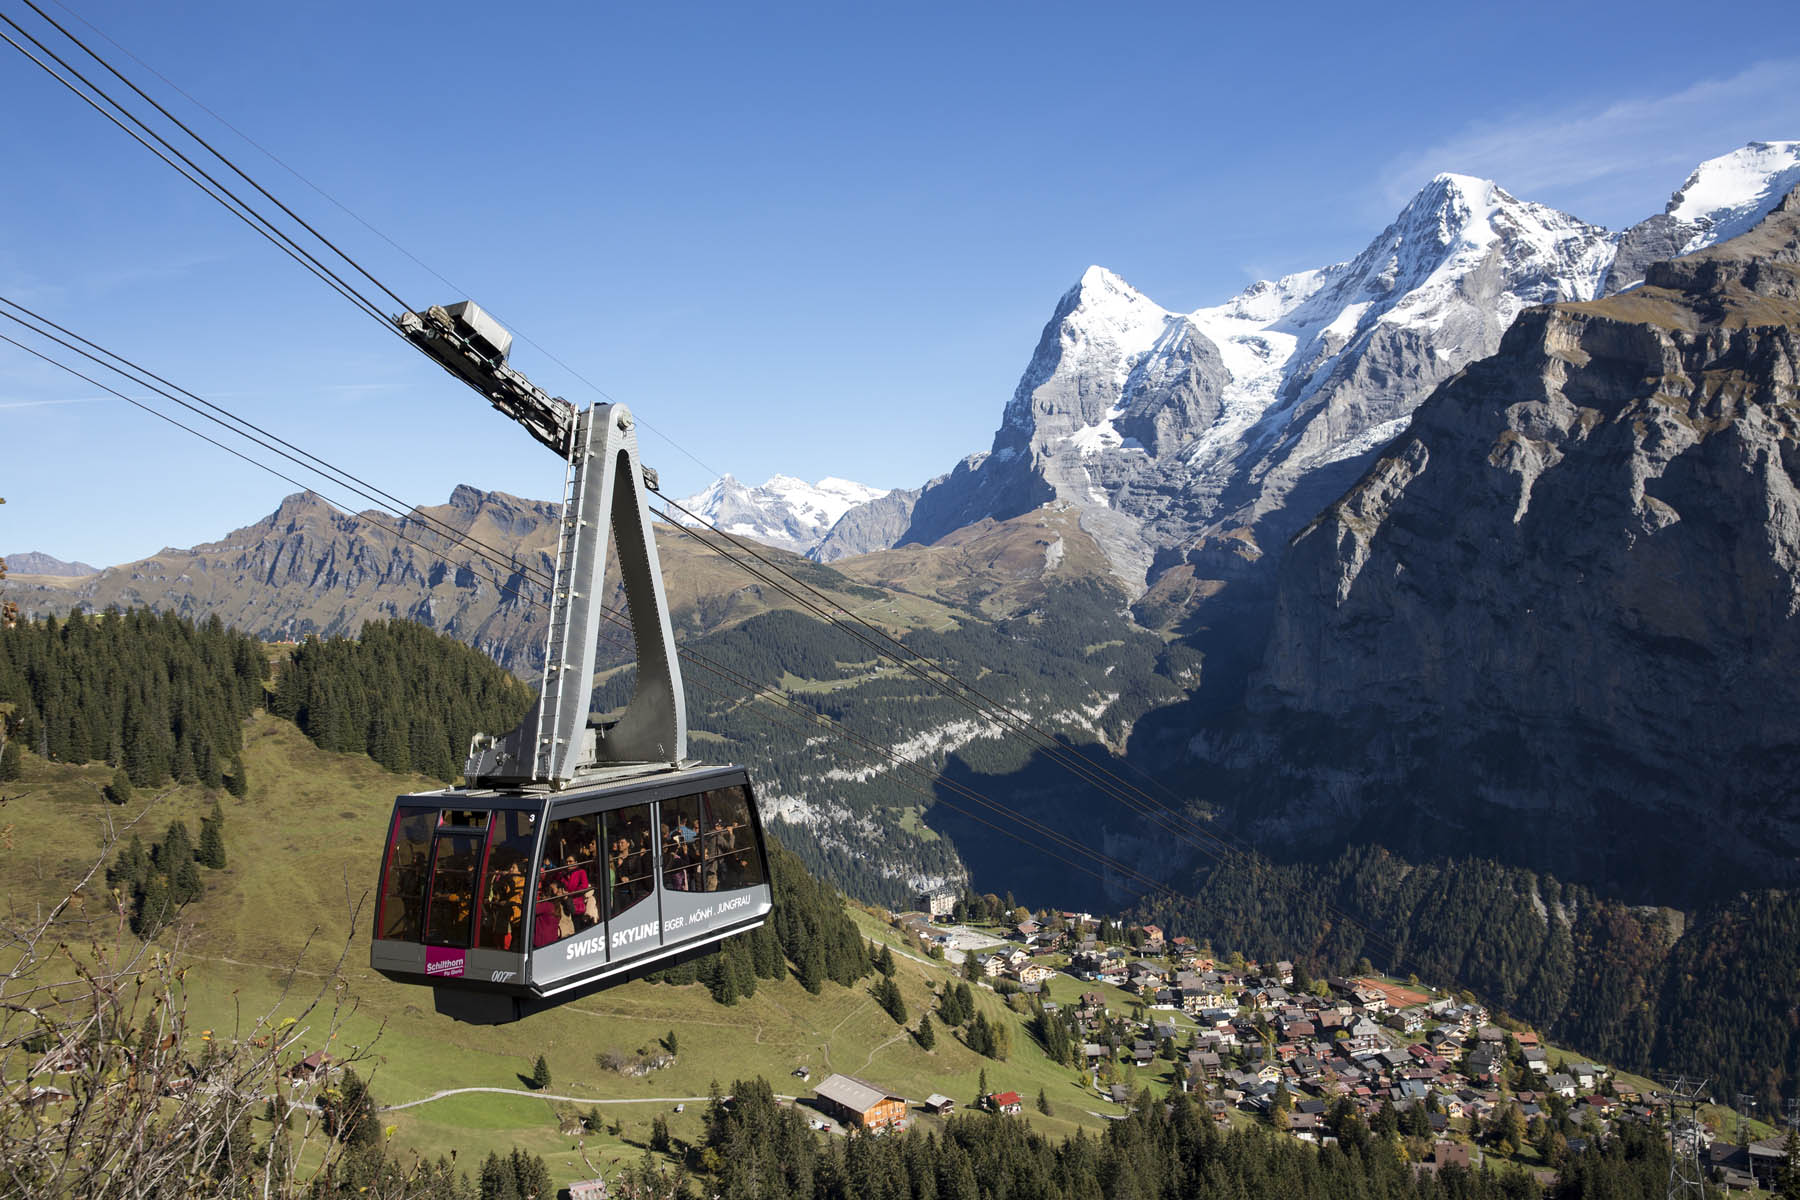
column 158, row 695
column 404, row 695
column 1164, row 1147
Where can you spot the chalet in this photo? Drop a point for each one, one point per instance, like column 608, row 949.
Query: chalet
column 1092, row 1005
column 1035, row 973
column 1153, row 939
column 1121, row 1093
column 1587, row 1075
column 1407, row 1020
column 1284, row 971
column 316, row 1065
column 992, row 965
column 940, row 1104
column 1027, row 929
column 1563, row 1085
column 588, row 1189
column 1164, row 1029
column 1538, row 1061
column 39, row 1096
column 855, row 1102
column 1006, row 1102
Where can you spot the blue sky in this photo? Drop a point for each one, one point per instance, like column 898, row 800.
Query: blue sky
column 802, row 239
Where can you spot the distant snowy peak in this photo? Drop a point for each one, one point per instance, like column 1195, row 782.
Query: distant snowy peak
column 1726, row 196
column 786, row 512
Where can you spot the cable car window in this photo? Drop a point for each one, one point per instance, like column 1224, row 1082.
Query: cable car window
column 566, row 899
column 682, row 820
column 630, row 857
column 511, row 840
column 403, row 896
column 450, row 915
column 731, row 858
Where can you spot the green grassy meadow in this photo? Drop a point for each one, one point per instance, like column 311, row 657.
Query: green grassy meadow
column 303, row 850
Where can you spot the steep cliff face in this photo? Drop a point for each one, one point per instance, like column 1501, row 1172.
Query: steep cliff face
column 1567, row 597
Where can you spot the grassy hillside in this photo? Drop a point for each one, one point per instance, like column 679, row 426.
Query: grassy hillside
column 303, row 848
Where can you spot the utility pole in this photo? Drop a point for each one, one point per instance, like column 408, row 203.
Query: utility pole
column 1745, row 1102
column 1686, row 1177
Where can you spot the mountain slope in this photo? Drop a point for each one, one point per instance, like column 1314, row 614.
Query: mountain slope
column 308, row 568
column 1565, row 600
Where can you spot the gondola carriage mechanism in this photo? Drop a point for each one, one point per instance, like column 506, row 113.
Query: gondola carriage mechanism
column 577, row 854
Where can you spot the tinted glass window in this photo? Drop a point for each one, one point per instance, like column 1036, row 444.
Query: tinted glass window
column 456, row 856
column 729, row 842
column 630, row 857
column 682, row 820
column 511, row 841
column 402, row 914
column 567, row 898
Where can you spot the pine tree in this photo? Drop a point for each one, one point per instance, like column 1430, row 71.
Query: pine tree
column 540, row 1074
column 153, row 906
column 1043, row 1104
column 212, row 842
column 12, row 762
column 927, row 1037
column 812, row 968
column 236, row 782
column 884, row 962
column 120, row 791
column 186, row 887
column 671, row 1043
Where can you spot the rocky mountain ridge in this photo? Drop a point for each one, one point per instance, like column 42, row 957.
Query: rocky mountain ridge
column 33, row 563
column 1566, row 601
column 1194, row 444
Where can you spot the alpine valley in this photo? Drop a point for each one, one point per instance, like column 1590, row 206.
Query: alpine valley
column 1471, row 562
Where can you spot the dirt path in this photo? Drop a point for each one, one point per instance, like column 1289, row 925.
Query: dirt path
column 551, row 1096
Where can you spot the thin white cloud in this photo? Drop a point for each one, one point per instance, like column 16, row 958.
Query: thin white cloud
column 1604, row 156
column 51, row 403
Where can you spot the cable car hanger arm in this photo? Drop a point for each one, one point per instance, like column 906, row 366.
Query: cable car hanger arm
column 603, row 500
column 472, row 346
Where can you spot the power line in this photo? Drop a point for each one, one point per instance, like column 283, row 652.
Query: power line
column 1163, row 817
column 757, row 693
column 224, row 196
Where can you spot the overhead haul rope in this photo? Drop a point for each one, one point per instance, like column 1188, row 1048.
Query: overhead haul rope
column 1093, row 774
column 224, row 196
column 1145, row 804
column 1082, row 768
column 349, row 212
column 813, row 720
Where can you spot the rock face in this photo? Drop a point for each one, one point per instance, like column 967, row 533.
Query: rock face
column 1204, row 437
column 1567, row 597
column 33, row 563
column 1195, row 444
column 308, row 568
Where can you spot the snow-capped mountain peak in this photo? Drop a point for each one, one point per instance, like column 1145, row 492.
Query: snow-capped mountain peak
column 1727, row 195
column 786, row 512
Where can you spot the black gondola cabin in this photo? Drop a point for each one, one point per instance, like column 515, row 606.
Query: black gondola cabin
column 524, row 899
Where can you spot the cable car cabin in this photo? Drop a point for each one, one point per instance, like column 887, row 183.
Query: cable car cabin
column 506, row 902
